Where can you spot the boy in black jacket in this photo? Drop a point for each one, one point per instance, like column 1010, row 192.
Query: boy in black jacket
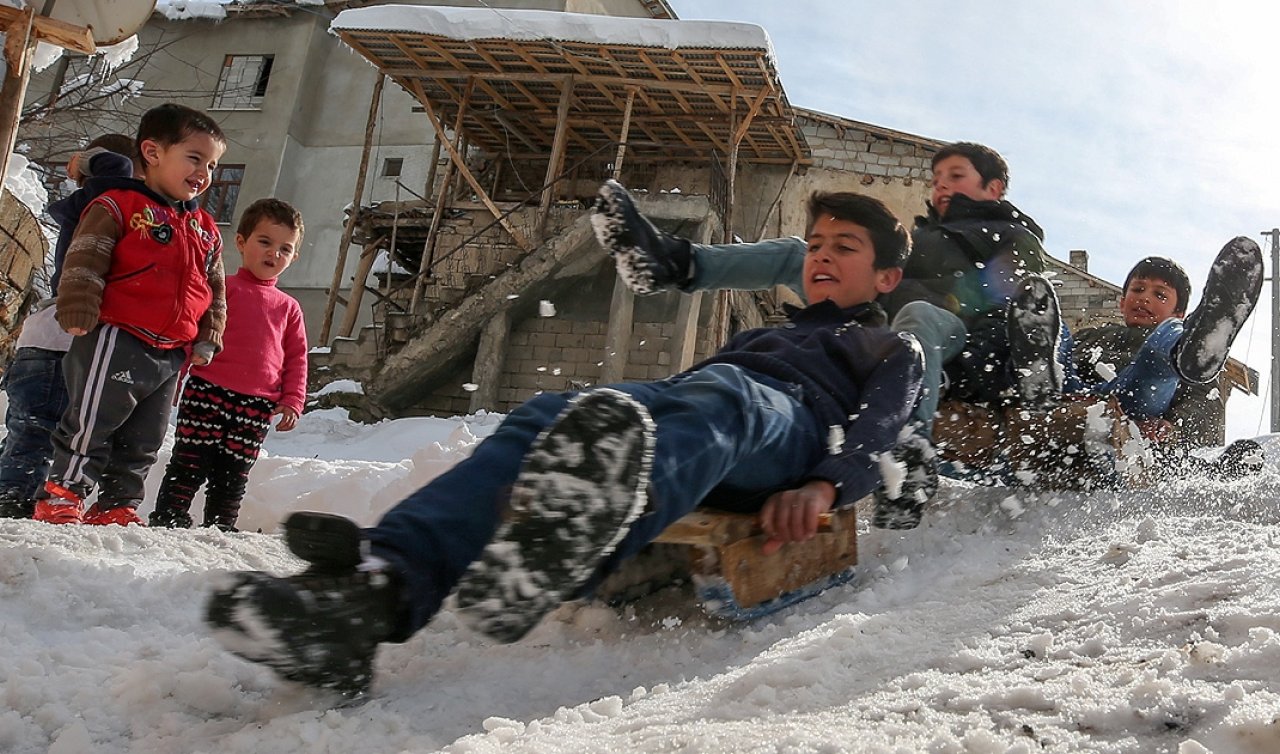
column 786, row 421
column 972, row 256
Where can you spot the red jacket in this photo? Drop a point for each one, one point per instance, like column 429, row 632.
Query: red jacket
column 164, row 283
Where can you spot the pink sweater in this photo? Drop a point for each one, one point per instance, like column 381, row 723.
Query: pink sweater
column 264, row 347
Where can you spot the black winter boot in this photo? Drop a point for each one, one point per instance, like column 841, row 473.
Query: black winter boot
column 648, row 260
column 319, row 629
column 1035, row 330
column 1230, row 293
column 901, row 505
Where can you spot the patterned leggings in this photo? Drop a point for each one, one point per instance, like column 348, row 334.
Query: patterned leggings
column 217, row 440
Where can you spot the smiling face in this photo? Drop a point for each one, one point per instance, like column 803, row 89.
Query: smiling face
column 1149, row 301
column 840, row 265
column 957, row 175
column 269, row 250
column 180, row 171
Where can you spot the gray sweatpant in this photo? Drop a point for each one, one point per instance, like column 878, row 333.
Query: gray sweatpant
column 121, row 391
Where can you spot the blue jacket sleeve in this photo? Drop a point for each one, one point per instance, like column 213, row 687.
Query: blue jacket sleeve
column 888, row 398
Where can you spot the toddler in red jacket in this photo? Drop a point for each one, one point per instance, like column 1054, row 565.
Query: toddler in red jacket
column 227, row 405
column 142, row 284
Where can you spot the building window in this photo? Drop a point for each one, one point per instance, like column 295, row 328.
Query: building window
column 392, row 166
column 224, row 189
column 243, row 82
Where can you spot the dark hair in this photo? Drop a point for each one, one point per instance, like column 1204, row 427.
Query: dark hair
column 987, row 161
column 890, row 239
column 118, row 143
column 170, row 123
column 1165, row 270
column 273, row 210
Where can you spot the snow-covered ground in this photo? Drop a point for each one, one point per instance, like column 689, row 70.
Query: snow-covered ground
column 1010, row 622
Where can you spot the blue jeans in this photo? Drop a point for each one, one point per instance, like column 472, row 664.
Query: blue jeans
column 37, row 397
column 1145, row 387
column 722, row 432
column 780, row 261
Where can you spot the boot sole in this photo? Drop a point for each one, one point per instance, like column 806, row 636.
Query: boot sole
column 1230, row 294
column 582, row 485
column 326, row 541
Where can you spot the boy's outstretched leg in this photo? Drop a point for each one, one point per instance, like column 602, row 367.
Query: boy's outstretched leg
column 1230, row 293
column 1034, row 326
column 648, row 260
column 582, row 485
column 320, row 627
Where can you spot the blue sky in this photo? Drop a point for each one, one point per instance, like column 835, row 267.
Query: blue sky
column 1131, row 128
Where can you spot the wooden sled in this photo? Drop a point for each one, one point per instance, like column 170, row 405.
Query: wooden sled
column 1080, row 445
column 721, row 555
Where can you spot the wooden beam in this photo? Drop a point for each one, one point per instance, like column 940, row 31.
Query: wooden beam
column 557, row 157
column 50, row 30
column 470, row 178
column 442, row 202
column 368, row 255
column 657, row 84
column 336, row 282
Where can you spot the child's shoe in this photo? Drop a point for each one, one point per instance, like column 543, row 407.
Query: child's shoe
column 648, row 260
column 63, row 506
column 582, row 484
column 1035, row 329
column 170, row 518
column 1230, row 293
column 121, row 515
column 15, row 506
column 901, row 505
column 320, row 629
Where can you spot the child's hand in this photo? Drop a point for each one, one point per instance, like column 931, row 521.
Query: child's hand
column 202, row 353
column 288, row 418
column 1156, row 429
column 199, row 359
column 77, row 331
column 792, row 515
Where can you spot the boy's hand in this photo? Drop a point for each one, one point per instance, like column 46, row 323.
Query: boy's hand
column 288, row 418
column 77, row 331
column 199, row 359
column 1156, row 429
column 792, row 515
column 202, row 353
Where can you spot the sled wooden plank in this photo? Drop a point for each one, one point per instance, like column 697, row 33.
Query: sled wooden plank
column 708, row 528
column 755, row 577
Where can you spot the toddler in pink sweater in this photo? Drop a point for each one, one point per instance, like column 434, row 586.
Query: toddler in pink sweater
column 227, row 405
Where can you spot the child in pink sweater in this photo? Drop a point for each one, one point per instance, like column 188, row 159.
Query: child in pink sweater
column 227, row 405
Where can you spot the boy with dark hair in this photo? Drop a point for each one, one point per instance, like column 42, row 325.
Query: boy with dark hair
column 33, row 381
column 143, row 281
column 227, row 405
column 970, row 253
column 783, row 421
column 1163, row 368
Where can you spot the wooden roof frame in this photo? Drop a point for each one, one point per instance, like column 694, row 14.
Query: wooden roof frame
column 689, row 101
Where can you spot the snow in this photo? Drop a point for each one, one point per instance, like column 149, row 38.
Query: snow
column 493, row 23
column 1011, row 621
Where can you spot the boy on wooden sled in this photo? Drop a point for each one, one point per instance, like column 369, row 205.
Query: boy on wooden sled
column 785, row 421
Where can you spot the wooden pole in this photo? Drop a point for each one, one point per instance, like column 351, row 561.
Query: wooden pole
column 19, row 44
column 367, row 257
column 345, row 243
column 424, row 264
column 557, row 156
column 470, row 178
column 617, row 338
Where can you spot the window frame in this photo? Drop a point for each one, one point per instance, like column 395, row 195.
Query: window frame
column 233, row 80
column 217, row 181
